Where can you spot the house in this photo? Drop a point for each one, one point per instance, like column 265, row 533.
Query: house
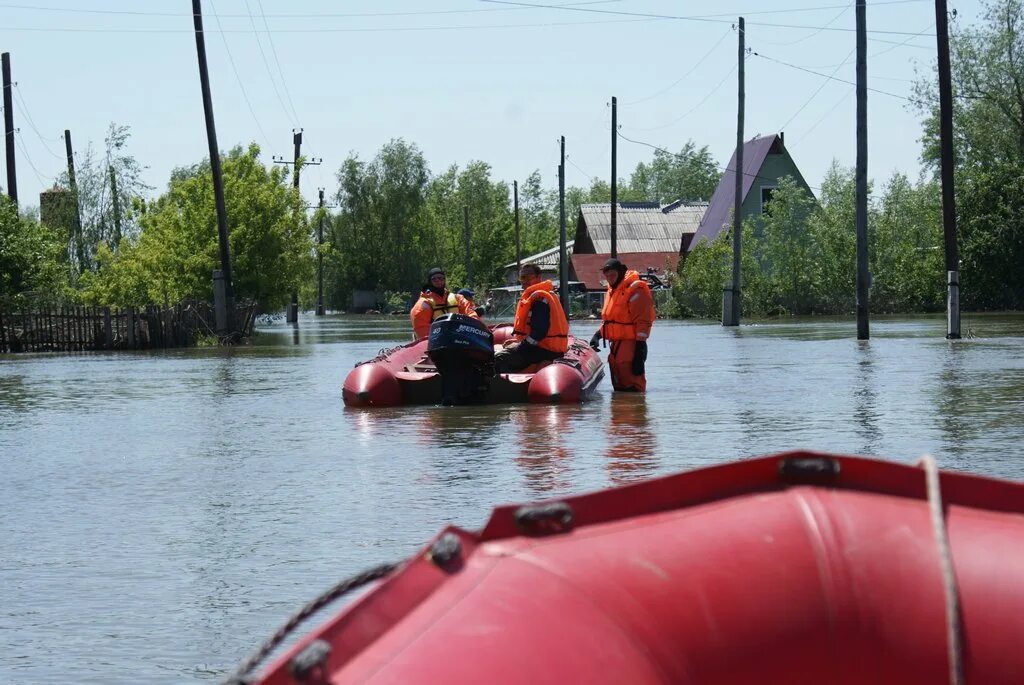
column 648, row 236
column 546, row 260
column 765, row 161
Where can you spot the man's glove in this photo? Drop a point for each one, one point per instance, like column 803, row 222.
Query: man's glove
column 596, row 339
column 639, row 357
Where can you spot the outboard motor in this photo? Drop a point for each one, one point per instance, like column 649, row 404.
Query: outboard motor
column 462, row 349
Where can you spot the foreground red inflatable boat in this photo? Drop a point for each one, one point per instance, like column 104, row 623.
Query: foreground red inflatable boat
column 406, row 375
column 798, row 568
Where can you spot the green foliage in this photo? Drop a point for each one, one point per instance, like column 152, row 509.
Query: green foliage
column 32, row 264
column 690, row 175
column 988, row 125
column 800, row 258
column 177, row 249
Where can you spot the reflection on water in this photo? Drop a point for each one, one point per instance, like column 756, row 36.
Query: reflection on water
column 864, row 406
column 632, row 446
column 184, row 502
column 541, row 446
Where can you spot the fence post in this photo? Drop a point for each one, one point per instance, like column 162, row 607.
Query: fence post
column 3, row 333
column 130, row 323
column 108, row 333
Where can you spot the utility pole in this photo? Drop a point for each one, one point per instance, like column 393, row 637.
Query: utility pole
column 117, row 206
column 946, row 155
column 223, row 289
column 861, row 175
column 731, row 298
column 515, row 202
column 320, row 259
column 615, row 176
column 465, row 244
column 563, row 267
column 12, row 176
column 292, row 313
column 73, row 184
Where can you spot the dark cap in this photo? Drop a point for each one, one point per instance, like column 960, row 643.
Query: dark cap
column 436, row 271
column 466, row 292
column 613, row 264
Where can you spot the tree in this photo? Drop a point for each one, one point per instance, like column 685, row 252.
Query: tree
column 32, row 262
column 988, row 86
column 106, row 218
column 177, row 249
column 689, row 175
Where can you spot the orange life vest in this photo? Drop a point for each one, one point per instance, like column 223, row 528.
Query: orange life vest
column 431, row 306
column 628, row 311
column 557, row 339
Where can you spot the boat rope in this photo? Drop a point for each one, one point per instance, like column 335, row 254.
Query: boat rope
column 953, row 637
column 238, row 676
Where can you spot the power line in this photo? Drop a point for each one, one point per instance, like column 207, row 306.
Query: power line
column 693, row 109
column 266, row 64
column 824, row 116
column 238, row 78
column 28, row 158
column 707, row 18
column 816, row 32
column 720, row 168
column 273, row 51
column 680, row 79
column 315, row 15
column 815, row 93
column 833, row 78
column 28, row 117
column 589, row 177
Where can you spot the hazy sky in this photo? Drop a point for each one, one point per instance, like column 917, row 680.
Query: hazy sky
column 462, row 79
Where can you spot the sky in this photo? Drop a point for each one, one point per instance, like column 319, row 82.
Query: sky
column 464, row 80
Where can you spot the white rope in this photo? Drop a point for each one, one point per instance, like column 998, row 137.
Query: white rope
column 953, row 637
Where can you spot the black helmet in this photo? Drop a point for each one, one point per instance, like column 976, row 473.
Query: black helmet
column 436, row 271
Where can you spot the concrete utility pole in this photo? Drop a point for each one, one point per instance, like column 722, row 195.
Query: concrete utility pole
column 731, row 295
column 563, row 266
column 292, row 312
column 515, row 203
column 12, row 176
column 320, row 259
column 73, row 184
column 946, row 154
column 465, row 244
column 117, row 206
column 861, row 176
column 223, row 289
column 615, row 176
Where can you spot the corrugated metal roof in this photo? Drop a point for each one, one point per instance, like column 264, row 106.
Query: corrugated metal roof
column 587, row 267
column 641, row 227
column 716, row 218
column 547, row 258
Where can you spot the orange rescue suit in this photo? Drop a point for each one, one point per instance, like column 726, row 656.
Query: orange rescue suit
column 627, row 317
column 432, row 306
column 557, row 338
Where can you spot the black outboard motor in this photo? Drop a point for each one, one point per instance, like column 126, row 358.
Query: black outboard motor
column 462, row 349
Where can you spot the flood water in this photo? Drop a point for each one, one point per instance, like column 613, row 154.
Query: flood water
column 162, row 513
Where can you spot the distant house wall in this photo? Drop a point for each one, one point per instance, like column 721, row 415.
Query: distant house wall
column 775, row 167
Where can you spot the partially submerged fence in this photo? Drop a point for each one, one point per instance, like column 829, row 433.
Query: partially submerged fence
column 75, row 329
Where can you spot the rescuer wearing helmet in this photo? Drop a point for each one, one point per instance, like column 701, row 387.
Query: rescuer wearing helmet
column 435, row 301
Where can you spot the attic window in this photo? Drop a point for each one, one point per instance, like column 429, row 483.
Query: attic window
column 766, row 196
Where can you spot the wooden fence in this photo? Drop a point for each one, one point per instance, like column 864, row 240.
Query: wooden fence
column 77, row 329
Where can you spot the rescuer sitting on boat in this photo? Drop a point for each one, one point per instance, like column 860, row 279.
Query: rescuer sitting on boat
column 626, row 321
column 435, row 301
column 540, row 331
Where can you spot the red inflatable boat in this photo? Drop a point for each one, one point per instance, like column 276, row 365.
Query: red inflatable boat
column 407, row 375
column 800, row 568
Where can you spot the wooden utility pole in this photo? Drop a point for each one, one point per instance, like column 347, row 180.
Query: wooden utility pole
column 292, row 311
column 116, row 206
column 465, row 245
column 12, row 176
column 731, row 298
column 946, row 154
column 320, row 259
column 515, row 203
column 615, row 176
column 563, row 258
column 861, row 175
column 77, row 218
column 223, row 288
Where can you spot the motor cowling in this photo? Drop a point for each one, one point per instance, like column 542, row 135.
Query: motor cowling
column 462, row 349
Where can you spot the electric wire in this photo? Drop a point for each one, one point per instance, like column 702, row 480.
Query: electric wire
column 818, row 90
column 32, row 124
column 266, row 64
column 806, row 134
column 684, row 76
column 241, row 86
column 693, row 109
column 815, row 33
column 273, row 51
column 24, row 151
